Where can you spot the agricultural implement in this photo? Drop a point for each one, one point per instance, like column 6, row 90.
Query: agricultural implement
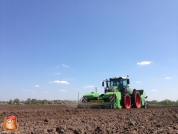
column 117, row 94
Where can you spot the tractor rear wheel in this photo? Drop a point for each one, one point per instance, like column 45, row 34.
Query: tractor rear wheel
column 126, row 100
column 136, row 100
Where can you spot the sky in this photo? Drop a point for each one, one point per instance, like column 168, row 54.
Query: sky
column 57, row 49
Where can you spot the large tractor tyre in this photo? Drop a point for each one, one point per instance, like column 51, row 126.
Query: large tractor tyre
column 136, row 99
column 126, row 101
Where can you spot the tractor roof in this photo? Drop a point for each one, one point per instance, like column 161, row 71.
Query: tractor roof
column 118, row 78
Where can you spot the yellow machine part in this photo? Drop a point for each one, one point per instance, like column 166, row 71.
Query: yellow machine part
column 96, row 101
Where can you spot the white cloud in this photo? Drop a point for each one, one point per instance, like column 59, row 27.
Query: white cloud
column 144, row 63
column 61, row 90
column 65, row 65
column 59, row 82
column 168, row 78
column 138, row 82
column 154, row 90
column 89, row 86
column 37, row 86
column 57, row 73
column 45, row 92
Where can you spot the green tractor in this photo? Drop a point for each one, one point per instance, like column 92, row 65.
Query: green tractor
column 117, row 94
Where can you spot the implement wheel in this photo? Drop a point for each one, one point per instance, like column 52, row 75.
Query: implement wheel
column 126, row 100
column 136, row 100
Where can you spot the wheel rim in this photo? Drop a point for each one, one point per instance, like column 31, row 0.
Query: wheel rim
column 127, row 101
column 138, row 101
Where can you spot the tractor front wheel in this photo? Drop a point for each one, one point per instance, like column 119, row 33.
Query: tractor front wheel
column 136, row 100
column 126, row 100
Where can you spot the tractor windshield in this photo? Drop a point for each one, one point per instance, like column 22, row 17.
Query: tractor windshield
column 115, row 82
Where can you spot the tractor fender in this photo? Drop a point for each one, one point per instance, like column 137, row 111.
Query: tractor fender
column 130, row 90
column 133, row 91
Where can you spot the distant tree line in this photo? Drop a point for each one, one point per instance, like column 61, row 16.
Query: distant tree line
column 63, row 102
column 36, row 102
column 164, row 102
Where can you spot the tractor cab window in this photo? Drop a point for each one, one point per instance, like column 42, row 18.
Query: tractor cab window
column 120, row 84
column 124, row 82
column 115, row 83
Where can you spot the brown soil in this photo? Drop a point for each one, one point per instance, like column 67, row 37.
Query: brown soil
column 70, row 120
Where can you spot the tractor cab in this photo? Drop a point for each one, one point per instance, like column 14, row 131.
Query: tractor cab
column 116, row 84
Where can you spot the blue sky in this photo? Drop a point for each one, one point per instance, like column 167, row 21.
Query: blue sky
column 55, row 49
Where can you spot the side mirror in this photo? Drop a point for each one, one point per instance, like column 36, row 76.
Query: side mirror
column 103, row 83
column 128, row 81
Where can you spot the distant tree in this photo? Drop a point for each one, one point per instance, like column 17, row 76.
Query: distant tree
column 10, row 102
column 166, row 102
column 66, row 101
column 34, row 101
column 39, row 101
column 154, row 102
column 22, row 101
column 44, row 101
column 28, row 101
column 173, row 102
column 16, row 101
column 59, row 101
column 50, row 101
column 163, row 102
column 177, row 102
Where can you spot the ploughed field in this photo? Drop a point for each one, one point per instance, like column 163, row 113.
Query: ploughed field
column 70, row 120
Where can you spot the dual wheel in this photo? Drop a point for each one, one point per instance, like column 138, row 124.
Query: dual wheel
column 127, row 101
